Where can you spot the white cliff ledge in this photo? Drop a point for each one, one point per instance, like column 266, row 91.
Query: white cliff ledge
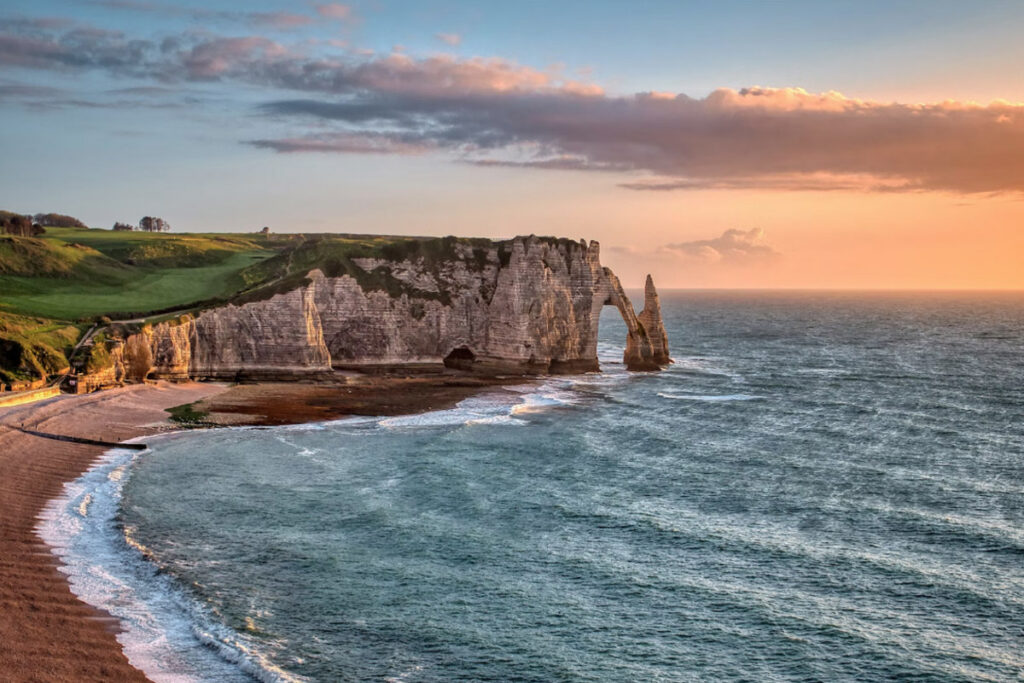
column 526, row 306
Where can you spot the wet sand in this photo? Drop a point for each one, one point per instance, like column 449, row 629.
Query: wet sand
column 46, row 633
column 290, row 403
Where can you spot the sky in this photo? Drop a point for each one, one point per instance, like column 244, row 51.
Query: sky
column 846, row 145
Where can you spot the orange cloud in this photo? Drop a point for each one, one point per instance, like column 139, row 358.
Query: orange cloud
column 403, row 74
column 757, row 138
column 497, row 112
column 736, row 247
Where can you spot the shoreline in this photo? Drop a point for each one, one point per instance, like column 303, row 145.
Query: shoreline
column 46, row 631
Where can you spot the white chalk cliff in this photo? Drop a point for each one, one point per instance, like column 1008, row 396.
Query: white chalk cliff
column 528, row 306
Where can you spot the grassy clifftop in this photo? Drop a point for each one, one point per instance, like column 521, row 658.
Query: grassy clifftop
column 73, row 273
column 335, row 256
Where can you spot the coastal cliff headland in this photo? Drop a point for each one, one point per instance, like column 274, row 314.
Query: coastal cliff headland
column 93, row 309
column 524, row 306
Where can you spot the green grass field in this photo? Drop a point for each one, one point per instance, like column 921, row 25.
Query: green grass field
column 75, row 274
column 136, row 292
column 160, row 249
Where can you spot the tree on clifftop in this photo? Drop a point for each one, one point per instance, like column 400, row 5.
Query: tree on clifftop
column 154, row 224
column 123, row 227
column 59, row 220
column 18, row 225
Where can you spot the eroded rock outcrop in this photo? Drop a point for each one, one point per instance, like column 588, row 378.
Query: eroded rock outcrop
column 528, row 305
column 646, row 341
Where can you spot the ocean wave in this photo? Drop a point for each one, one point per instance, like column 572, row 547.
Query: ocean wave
column 497, row 420
column 701, row 365
column 165, row 633
column 768, row 538
column 498, row 408
column 543, row 400
column 874, row 625
column 710, row 398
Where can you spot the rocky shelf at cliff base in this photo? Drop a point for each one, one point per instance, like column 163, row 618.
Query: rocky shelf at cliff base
column 529, row 305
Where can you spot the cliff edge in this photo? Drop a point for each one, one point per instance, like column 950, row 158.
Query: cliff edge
column 529, row 305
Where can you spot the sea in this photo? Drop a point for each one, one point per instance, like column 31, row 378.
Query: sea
column 823, row 487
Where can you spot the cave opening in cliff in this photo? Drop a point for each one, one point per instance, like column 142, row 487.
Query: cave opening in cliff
column 460, row 358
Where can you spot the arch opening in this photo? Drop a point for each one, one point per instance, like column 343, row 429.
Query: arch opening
column 612, row 334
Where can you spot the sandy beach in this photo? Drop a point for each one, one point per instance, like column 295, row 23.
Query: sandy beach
column 48, row 634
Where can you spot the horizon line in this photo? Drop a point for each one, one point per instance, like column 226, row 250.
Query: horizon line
column 873, row 290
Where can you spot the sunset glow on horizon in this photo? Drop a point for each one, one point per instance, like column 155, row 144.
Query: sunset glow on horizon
column 815, row 147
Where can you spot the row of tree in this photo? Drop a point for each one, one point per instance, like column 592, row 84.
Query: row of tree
column 58, row 220
column 16, row 224
column 25, row 225
column 146, row 224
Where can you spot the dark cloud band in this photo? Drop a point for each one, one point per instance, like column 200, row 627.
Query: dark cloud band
column 496, row 112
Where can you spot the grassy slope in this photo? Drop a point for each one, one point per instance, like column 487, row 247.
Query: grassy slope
column 31, row 347
column 74, row 273
column 51, row 286
column 138, row 292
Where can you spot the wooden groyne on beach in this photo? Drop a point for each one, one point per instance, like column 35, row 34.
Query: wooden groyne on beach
column 81, row 440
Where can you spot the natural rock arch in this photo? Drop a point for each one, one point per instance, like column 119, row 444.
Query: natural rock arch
column 646, row 339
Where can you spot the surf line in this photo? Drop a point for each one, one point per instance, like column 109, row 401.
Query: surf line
column 82, row 440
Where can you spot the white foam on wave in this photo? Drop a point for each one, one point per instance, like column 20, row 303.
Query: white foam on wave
column 348, row 420
column 165, row 633
column 484, row 409
column 702, row 365
column 498, row 408
column 710, row 399
column 554, row 393
column 542, row 401
column 496, row 420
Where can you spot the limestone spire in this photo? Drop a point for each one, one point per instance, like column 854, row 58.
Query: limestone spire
column 650, row 318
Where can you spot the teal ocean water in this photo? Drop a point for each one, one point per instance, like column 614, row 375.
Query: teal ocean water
column 824, row 487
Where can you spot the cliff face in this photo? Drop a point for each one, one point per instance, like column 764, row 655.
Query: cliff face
column 531, row 305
